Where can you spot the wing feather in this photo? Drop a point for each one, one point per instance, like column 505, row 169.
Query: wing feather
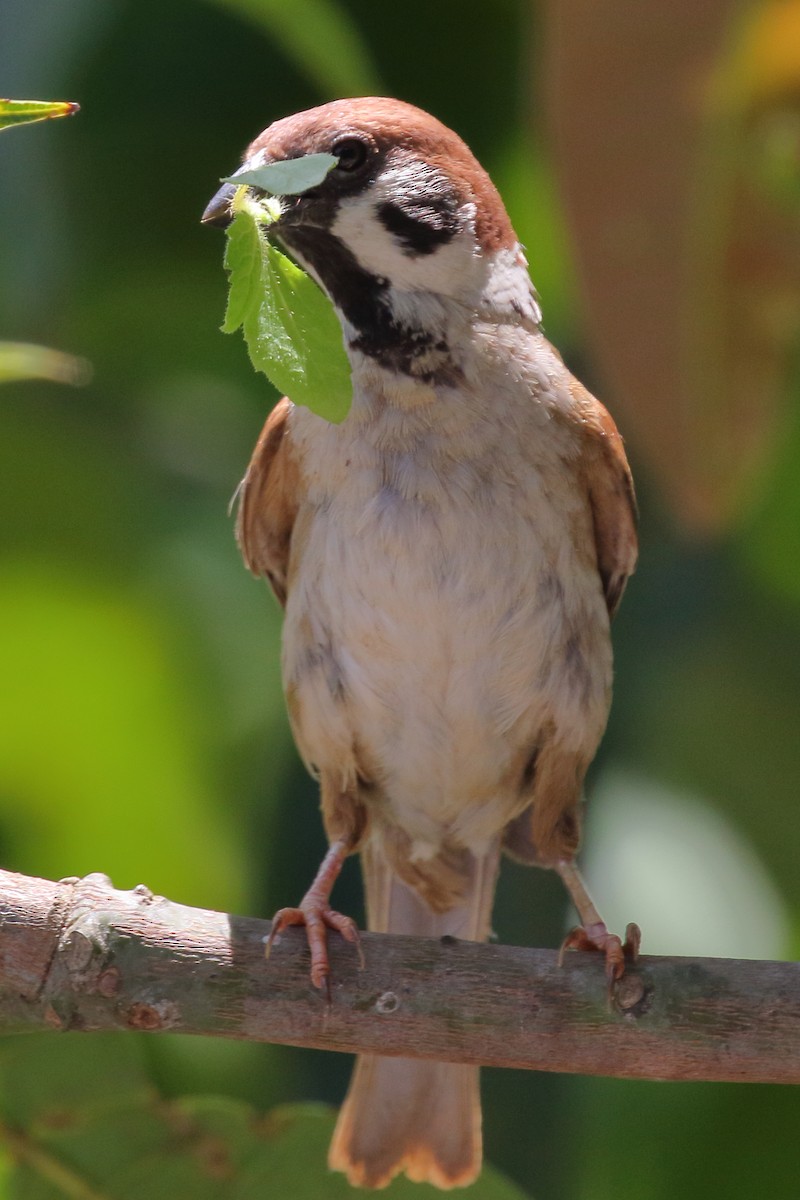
column 609, row 486
column 268, row 502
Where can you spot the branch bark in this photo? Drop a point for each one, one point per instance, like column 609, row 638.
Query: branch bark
column 79, row 955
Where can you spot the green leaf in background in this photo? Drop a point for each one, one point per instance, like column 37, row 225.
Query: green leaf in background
column 321, row 38
column 287, row 178
column 292, row 332
column 21, row 360
column 22, row 112
column 81, row 1120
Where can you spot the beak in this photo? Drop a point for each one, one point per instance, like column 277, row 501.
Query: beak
column 218, row 209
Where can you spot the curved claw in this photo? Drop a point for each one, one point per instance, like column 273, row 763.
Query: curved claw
column 317, row 919
column 617, row 953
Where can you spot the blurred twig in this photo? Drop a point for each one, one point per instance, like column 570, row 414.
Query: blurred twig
column 78, row 955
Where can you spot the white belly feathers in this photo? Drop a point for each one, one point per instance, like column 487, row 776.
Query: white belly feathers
column 424, row 645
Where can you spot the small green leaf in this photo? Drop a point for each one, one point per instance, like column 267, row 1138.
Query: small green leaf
column 292, row 332
column 243, row 261
column 287, row 178
column 21, row 112
column 21, row 360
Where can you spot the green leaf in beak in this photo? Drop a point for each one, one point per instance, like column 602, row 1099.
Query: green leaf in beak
column 287, row 178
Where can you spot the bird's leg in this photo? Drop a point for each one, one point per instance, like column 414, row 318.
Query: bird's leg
column 592, row 933
column 315, row 912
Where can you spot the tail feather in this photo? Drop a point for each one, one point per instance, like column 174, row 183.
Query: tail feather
column 413, row 1115
column 407, row 1114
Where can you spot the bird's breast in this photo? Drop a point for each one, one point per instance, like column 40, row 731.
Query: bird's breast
column 434, row 608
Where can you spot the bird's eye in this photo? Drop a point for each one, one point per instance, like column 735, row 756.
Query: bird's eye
column 351, row 153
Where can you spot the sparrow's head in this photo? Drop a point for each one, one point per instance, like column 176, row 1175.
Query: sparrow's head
column 406, row 230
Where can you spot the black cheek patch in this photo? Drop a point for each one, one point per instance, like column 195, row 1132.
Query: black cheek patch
column 422, row 228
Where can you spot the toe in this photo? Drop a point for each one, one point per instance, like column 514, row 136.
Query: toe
column 317, row 919
column 633, row 940
column 283, row 918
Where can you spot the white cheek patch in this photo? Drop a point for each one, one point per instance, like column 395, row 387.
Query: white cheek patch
column 454, row 268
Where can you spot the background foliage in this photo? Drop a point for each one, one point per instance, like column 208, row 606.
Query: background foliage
column 650, row 161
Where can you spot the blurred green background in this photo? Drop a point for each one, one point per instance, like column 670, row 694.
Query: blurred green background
column 650, row 159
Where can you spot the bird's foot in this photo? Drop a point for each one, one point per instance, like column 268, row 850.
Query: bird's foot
column 592, row 933
column 317, row 917
column 315, row 912
column 596, row 937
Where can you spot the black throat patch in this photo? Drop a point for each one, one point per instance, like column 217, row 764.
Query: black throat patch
column 364, row 300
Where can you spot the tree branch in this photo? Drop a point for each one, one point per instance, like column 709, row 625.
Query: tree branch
column 79, row 955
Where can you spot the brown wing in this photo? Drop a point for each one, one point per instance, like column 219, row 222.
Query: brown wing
column 549, row 828
column 609, row 484
column 268, row 502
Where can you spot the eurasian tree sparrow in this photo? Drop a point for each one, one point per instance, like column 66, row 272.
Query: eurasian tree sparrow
column 449, row 558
